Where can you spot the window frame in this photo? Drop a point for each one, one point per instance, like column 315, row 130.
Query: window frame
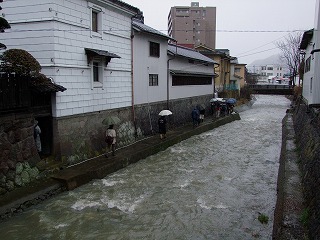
column 95, row 21
column 185, row 80
column 308, row 65
column 153, row 80
column 99, row 11
column 97, row 73
column 154, row 49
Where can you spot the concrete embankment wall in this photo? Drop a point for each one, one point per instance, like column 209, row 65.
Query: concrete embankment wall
column 289, row 205
column 307, row 129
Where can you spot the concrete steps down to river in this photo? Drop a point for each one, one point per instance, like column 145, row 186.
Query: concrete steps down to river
column 99, row 167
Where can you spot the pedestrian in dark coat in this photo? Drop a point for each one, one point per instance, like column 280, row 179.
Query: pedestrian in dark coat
column 195, row 114
column 162, row 122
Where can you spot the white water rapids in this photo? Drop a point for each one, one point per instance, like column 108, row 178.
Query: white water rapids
column 210, row 186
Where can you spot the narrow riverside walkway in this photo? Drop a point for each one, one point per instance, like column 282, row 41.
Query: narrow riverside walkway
column 99, row 167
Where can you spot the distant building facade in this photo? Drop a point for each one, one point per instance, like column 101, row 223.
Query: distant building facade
column 270, row 71
column 193, row 26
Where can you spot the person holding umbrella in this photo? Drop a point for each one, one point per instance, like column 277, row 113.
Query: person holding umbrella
column 111, row 140
column 162, row 122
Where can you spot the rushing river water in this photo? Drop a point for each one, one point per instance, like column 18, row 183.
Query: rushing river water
column 211, row 186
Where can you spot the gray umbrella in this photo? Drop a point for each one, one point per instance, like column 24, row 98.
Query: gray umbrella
column 111, row 120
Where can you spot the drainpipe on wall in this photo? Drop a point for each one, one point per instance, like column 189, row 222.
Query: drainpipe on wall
column 168, row 76
column 214, row 78
column 132, row 87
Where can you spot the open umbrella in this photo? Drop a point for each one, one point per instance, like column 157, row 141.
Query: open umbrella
column 111, row 120
column 231, row 100
column 165, row 113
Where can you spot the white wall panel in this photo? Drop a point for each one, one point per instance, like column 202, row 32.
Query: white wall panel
column 61, row 51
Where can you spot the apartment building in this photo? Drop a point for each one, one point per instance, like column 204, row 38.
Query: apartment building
column 271, row 72
column 193, row 26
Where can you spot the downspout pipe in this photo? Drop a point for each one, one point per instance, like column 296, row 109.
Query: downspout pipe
column 132, row 86
column 214, row 78
column 168, row 75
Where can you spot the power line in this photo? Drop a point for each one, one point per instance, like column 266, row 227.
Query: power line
column 258, row 52
column 263, row 45
column 129, row 30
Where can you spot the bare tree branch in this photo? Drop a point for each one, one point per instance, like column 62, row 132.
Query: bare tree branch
column 290, row 53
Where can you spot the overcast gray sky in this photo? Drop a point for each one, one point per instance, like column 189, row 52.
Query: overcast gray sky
column 244, row 15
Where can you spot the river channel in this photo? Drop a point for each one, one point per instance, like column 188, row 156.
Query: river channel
column 210, row 186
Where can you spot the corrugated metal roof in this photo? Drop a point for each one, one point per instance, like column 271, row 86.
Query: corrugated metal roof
column 189, row 53
column 142, row 27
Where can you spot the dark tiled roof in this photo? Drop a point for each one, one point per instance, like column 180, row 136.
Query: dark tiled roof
column 137, row 25
column 188, row 53
column 41, row 84
column 126, row 5
column 97, row 52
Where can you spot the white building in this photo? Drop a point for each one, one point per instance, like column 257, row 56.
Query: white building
column 271, row 72
column 168, row 76
column 85, row 46
column 109, row 65
column 311, row 78
column 149, row 64
column 191, row 73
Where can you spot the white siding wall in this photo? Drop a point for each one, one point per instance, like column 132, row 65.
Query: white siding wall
column 145, row 65
column 56, row 32
column 308, row 76
column 316, row 69
column 313, row 97
column 176, row 92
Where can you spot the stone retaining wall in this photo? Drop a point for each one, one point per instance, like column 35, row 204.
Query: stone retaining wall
column 18, row 153
column 82, row 136
column 307, row 129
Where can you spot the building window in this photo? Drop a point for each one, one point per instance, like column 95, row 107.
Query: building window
column 237, row 70
column 191, row 80
column 263, row 68
column 94, row 21
column 204, row 13
column 154, row 49
column 311, row 85
column 97, row 73
column 153, row 80
column 308, row 64
column 270, row 68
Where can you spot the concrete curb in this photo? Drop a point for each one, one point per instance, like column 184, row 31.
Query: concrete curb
column 289, row 205
column 101, row 167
